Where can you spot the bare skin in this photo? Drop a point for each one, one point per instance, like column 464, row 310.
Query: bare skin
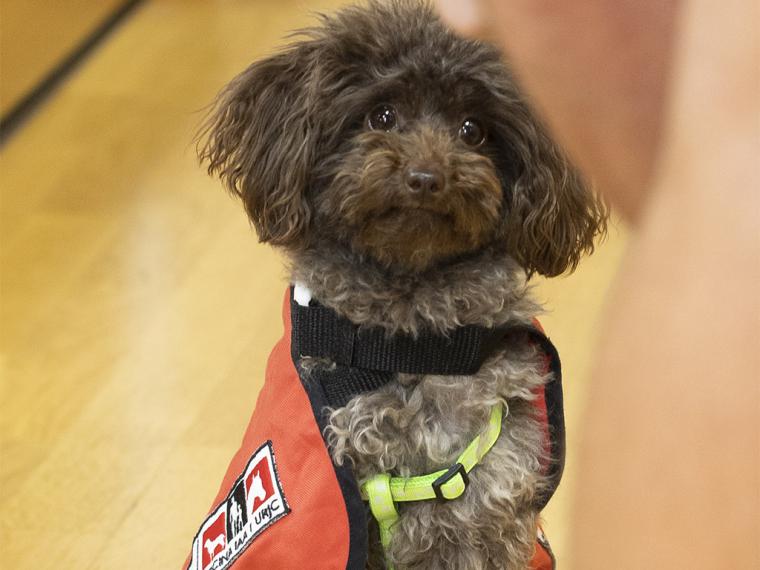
column 660, row 105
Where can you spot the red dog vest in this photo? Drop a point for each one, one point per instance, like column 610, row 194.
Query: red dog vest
column 284, row 505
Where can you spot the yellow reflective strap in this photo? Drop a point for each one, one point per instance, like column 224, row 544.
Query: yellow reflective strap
column 383, row 491
column 484, row 442
column 378, row 491
column 420, row 488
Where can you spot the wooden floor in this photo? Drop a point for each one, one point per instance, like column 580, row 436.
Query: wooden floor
column 36, row 36
column 138, row 310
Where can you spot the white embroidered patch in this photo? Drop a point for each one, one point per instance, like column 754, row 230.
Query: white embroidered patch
column 255, row 502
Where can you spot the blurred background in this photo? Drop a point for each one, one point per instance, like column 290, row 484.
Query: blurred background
column 137, row 309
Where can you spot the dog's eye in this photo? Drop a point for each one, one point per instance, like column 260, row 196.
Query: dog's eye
column 382, row 118
column 472, row 133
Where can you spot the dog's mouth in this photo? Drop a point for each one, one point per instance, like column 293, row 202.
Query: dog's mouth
column 415, row 212
column 413, row 237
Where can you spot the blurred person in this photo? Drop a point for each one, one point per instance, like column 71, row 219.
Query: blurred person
column 658, row 102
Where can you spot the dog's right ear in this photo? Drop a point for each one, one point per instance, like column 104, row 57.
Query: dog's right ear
column 260, row 140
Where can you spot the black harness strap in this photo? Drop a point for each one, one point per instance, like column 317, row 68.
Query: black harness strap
column 320, row 332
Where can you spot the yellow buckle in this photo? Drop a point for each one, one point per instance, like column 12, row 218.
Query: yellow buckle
column 451, row 484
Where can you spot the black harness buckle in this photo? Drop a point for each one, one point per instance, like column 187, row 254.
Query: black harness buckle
column 451, row 472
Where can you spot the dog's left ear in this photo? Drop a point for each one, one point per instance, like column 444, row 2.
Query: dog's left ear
column 260, row 139
column 554, row 216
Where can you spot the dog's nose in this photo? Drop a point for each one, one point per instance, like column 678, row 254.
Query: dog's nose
column 424, row 179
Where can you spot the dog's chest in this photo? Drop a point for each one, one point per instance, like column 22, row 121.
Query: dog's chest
column 420, row 423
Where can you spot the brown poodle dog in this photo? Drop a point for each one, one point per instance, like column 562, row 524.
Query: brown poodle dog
column 413, row 189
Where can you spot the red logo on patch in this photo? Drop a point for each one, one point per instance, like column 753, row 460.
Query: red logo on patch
column 258, row 484
column 214, row 539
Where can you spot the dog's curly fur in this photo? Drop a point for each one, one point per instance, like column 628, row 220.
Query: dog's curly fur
column 293, row 136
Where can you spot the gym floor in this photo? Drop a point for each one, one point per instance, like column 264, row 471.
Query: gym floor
column 138, row 309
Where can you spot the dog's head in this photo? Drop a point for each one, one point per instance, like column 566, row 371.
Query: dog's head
column 383, row 132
